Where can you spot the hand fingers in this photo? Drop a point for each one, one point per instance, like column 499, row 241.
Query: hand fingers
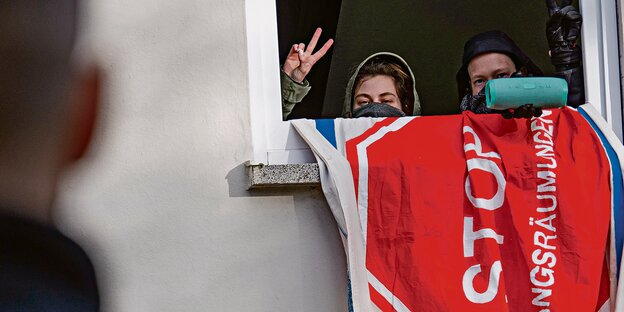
column 572, row 22
column 524, row 111
column 537, row 112
column 304, row 69
column 307, row 61
column 552, row 6
column 321, row 52
column 300, row 51
column 297, row 48
column 507, row 114
column 570, row 13
column 293, row 49
column 314, row 40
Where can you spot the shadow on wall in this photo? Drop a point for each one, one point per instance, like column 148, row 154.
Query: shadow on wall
column 317, row 256
column 317, row 223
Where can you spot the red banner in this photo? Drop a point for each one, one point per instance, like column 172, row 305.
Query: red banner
column 478, row 213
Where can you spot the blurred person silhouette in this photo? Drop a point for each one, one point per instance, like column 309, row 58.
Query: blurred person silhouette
column 47, row 113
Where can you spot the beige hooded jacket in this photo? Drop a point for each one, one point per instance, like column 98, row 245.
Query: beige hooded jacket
column 348, row 100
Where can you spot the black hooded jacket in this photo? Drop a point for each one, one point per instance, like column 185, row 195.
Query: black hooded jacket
column 498, row 42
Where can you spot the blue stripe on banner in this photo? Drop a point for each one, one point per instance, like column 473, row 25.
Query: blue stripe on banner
column 618, row 188
column 327, row 129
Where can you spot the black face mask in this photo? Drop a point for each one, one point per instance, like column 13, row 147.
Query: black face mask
column 475, row 103
column 377, row 110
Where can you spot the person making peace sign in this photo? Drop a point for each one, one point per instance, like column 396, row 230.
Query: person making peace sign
column 298, row 64
column 382, row 85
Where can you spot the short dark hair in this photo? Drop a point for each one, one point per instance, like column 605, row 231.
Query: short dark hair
column 403, row 83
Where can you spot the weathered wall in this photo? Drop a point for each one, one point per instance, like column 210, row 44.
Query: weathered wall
column 160, row 202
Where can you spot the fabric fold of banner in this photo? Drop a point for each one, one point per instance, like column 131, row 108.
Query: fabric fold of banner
column 475, row 212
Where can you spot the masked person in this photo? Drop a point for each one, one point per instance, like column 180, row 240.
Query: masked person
column 381, row 86
column 489, row 55
column 492, row 55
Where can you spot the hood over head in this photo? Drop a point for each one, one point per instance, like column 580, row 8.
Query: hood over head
column 488, row 42
column 413, row 108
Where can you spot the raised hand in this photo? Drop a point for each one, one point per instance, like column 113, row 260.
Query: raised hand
column 562, row 30
column 301, row 59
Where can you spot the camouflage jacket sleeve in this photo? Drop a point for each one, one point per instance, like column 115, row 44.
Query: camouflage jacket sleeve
column 292, row 93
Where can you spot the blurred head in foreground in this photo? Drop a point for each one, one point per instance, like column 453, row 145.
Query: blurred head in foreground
column 47, row 111
column 48, row 104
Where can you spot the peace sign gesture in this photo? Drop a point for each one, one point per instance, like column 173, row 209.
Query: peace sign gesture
column 301, row 59
column 564, row 24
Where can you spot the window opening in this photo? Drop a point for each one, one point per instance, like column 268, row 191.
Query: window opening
column 276, row 142
column 429, row 38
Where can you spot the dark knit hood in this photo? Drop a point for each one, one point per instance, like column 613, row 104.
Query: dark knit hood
column 488, row 42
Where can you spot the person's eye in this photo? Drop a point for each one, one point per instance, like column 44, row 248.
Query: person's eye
column 503, row 75
column 363, row 102
column 387, row 101
column 478, row 82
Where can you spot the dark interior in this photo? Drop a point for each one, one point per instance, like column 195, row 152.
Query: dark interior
column 429, row 35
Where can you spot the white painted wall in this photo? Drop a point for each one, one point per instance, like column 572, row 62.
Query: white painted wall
column 160, row 202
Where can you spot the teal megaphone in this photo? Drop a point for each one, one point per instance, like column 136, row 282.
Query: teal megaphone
column 544, row 92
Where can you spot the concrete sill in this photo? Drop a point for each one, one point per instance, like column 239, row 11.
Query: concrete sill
column 261, row 176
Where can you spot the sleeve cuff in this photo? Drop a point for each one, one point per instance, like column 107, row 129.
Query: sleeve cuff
column 293, row 91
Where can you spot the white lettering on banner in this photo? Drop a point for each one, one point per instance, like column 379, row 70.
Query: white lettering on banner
column 492, row 290
column 541, row 294
column 547, row 152
column 547, row 186
column 543, row 274
column 490, row 167
column 476, row 146
column 470, row 236
column 481, row 162
column 553, row 204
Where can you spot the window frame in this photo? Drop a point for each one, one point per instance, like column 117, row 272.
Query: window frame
column 601, row 63
column 276, row 142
